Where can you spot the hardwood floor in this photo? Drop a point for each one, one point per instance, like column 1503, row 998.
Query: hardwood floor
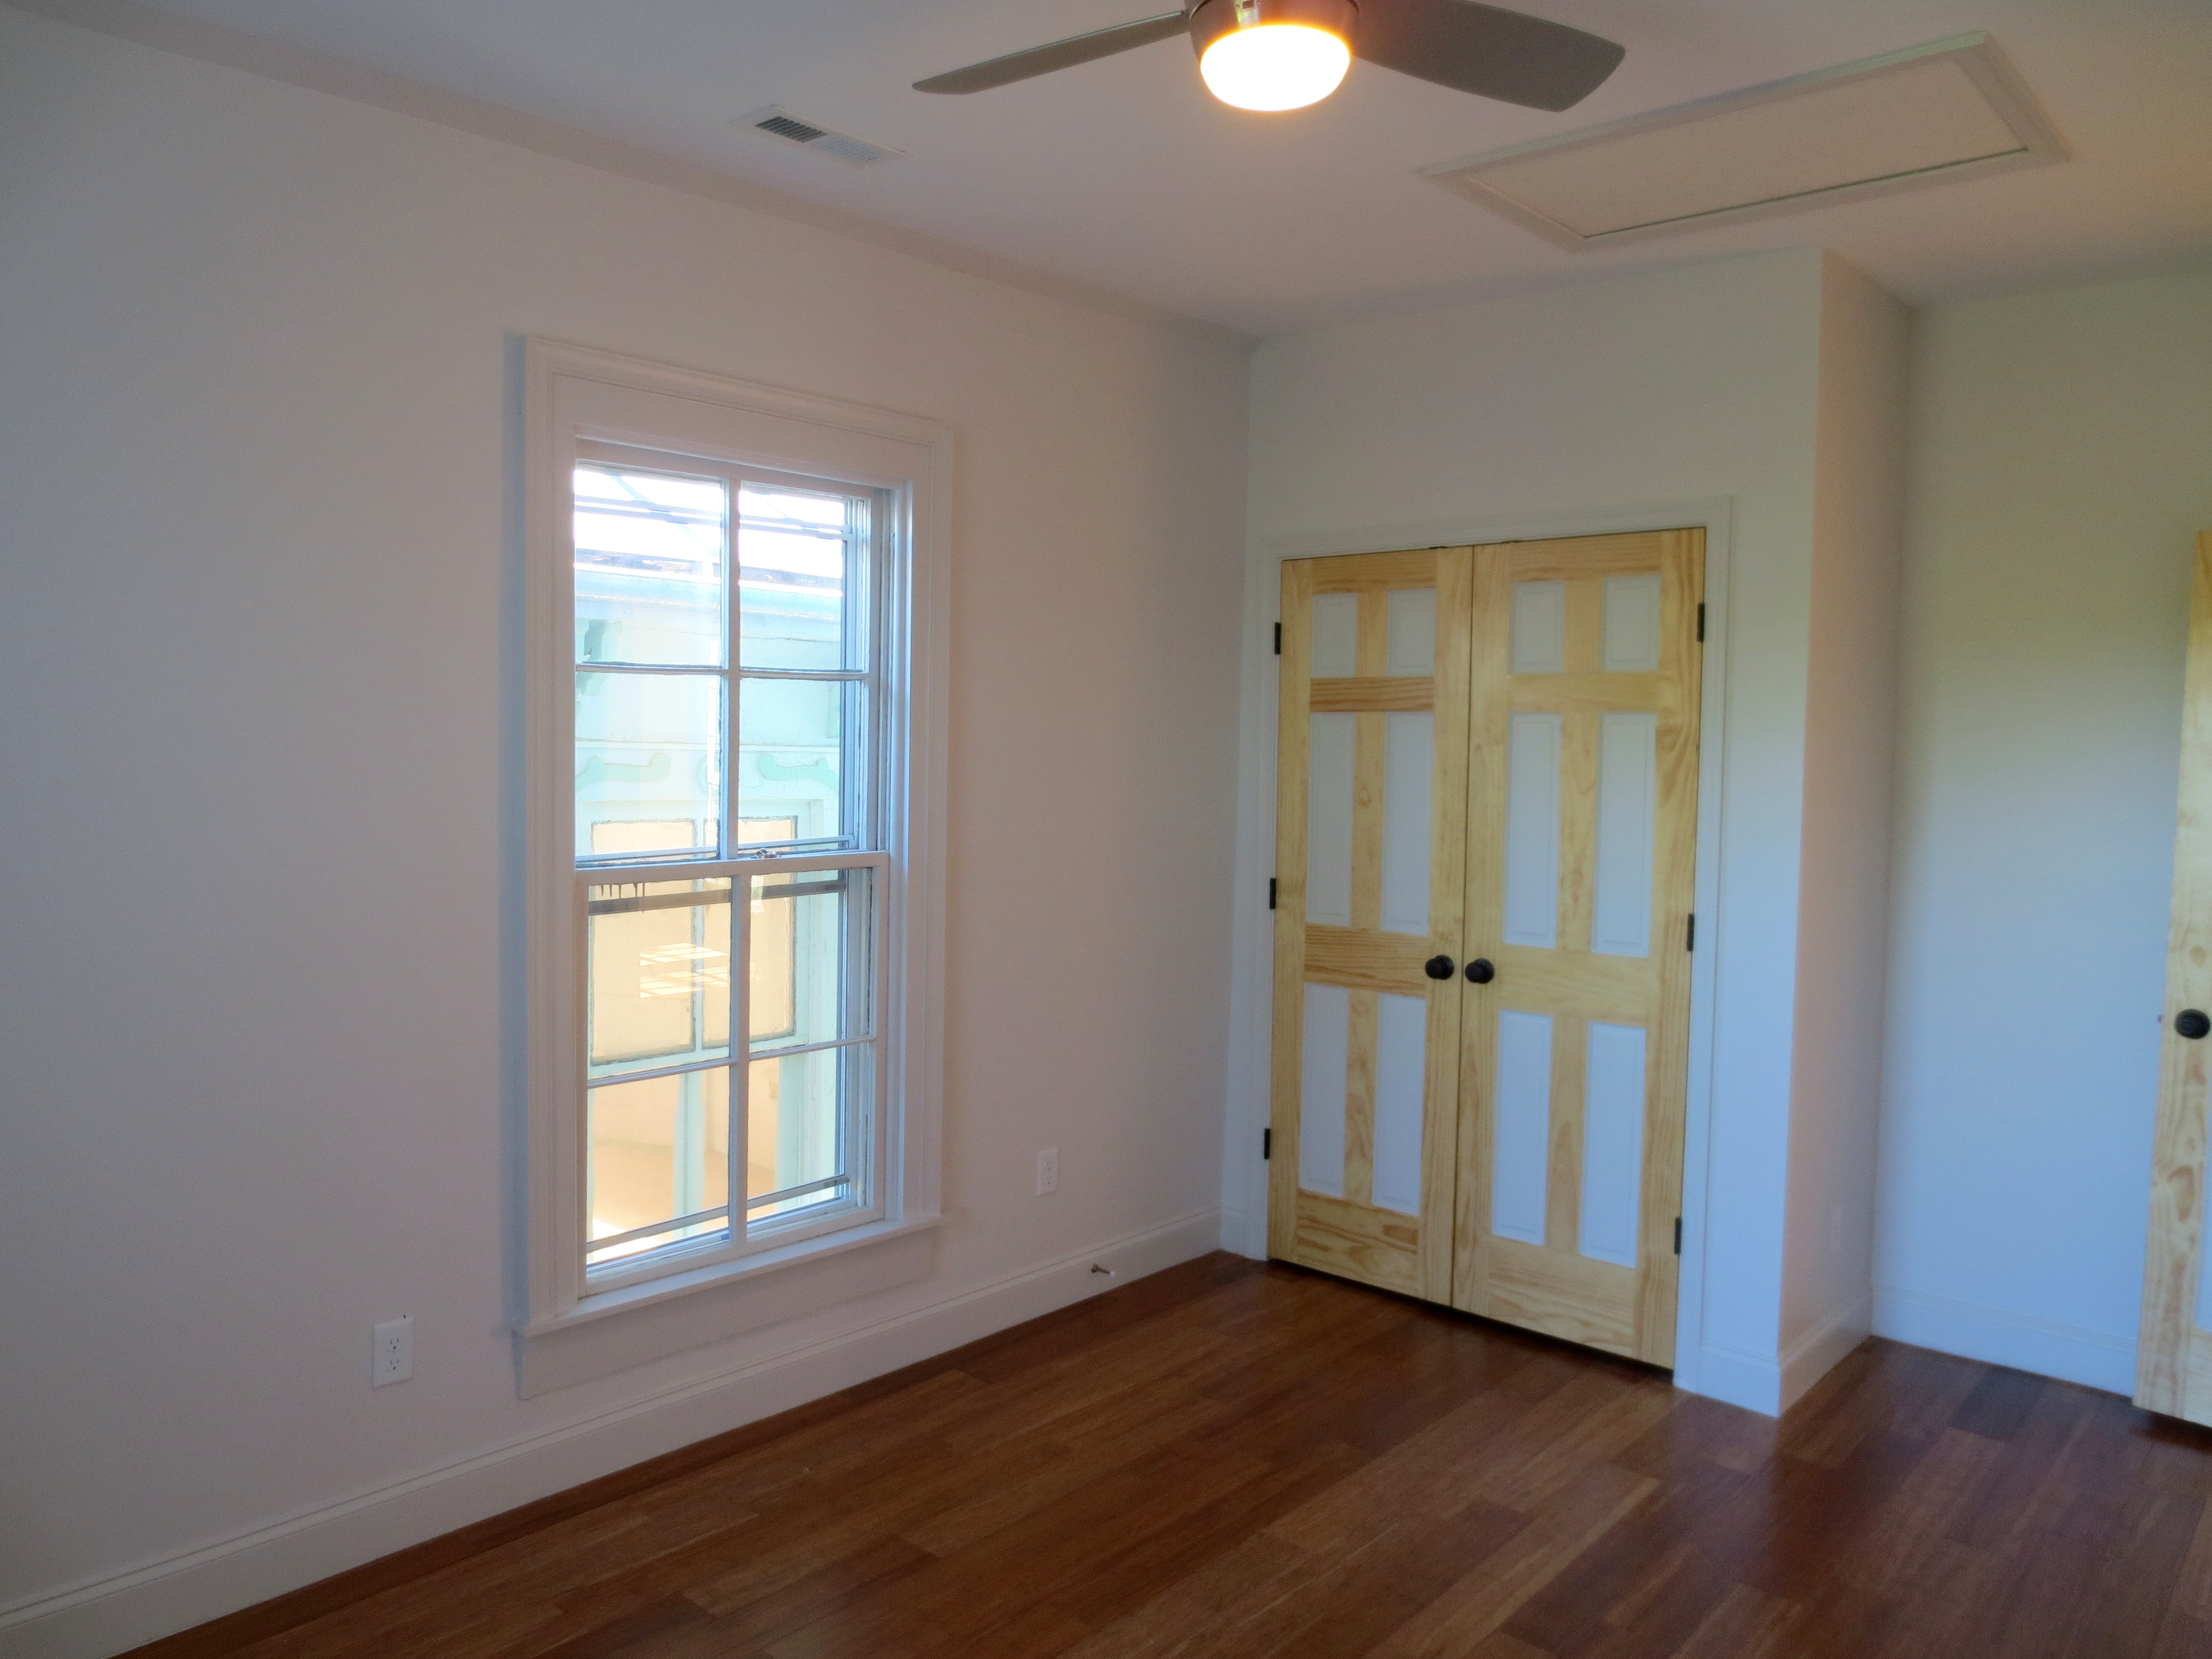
column 1229, row 1459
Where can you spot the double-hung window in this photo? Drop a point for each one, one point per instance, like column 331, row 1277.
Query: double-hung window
column 730, row 834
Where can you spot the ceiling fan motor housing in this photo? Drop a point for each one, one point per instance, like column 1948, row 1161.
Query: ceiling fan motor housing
column 1212, row 19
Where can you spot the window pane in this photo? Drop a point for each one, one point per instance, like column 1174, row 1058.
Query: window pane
column 796, row 1131
column 648, row 762
column 649, row 567
column 753, row 831
column 811, row 957
column 659, row 1149
column 797, row 556
column 659, row 972
column 790, row 755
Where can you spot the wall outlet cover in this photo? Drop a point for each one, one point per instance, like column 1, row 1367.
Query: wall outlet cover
column 392, row 1351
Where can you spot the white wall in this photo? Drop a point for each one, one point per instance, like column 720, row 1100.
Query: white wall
column 1553, row 410
column 254, row 430
column 1844, row 900
column 2061, row 465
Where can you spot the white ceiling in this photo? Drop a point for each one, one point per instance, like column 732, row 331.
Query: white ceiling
column 1125, row 176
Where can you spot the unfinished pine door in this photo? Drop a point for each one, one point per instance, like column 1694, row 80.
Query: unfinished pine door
column 1563, row 750
column 1582, row 850
column 2174, row 1352
column 1369, row 861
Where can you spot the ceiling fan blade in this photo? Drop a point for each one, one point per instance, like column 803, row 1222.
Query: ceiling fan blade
column 1060, row 55
column 1485, row 49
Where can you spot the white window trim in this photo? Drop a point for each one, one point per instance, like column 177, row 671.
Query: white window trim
column 572, row 392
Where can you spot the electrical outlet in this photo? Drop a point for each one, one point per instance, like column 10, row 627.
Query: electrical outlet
column 1048, row 1171
column 392, row 1353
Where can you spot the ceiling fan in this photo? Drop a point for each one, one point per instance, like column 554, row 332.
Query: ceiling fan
column 1284, row 54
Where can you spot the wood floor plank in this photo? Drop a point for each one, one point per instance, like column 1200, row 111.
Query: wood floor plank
column 2016, row 1497
column 1502, row 1646
column 1590, row 1421
column 1038, row 1632
column 1004, row 1502
column 866, row 1571
column 951, row 1601
column 283, row 1617
column 1700, row 1431
column 1745, row 1623
column 1372, row 1397
column 1429, row 1474
column 1343, row 1609
column 1134, row 1575
column 1939, row 1494
column 1054, row 1336
column 1999, row 1404
column 788, row 1548
column 1884, row 1387
column 1216, row 1608
column 737, row 1634
column 1821, row 1511
column 2191, row 1600
column 1571, row 1522
column 621, row 1636
column 1239, row 1461
column 1664, row 1568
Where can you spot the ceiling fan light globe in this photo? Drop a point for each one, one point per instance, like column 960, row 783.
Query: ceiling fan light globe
column 1283, row 66
column 1273, row 54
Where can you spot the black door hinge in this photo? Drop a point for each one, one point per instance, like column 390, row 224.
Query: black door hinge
column 1266, row 1143
column 1271, row 892
column 1678, row 1235
column 1690, row 933
column 1278, row 639
column 1701, row 621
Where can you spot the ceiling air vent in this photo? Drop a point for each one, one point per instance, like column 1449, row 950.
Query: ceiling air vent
column 1912, row 118
column 824, row 140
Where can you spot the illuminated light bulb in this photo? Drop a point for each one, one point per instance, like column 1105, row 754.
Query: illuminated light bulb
column 1281, row 66
column 1273, row 54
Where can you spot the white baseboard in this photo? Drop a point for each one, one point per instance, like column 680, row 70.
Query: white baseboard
column 1736, row 1379
column 95, row 1618
column 1817, row 1353
column 2070, row 1352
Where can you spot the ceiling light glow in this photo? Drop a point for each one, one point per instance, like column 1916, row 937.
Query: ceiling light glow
column 1276, row 66
column 1273, row 54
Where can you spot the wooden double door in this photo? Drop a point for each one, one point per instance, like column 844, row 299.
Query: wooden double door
column 1485, row 861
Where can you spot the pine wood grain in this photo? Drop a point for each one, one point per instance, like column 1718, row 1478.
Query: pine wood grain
column 1553, row 1288
column 1440, row 1121
column 1294, row 722
column 1239, row 1461
column 1342, row 1230
column 2173, row 1357
column 1399, row 693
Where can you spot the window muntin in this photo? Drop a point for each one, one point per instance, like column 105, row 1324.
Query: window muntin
column 729, row 862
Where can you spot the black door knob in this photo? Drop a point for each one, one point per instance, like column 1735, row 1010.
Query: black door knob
column 2191, row 1023
column 1480, row 972
column 1438, row 967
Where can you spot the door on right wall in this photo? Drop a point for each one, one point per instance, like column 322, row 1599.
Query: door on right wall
column 2173, row 1356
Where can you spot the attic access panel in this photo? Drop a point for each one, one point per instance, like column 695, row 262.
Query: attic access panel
column 1897, row 122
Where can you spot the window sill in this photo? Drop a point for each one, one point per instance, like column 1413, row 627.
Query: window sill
column 656, row 1292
